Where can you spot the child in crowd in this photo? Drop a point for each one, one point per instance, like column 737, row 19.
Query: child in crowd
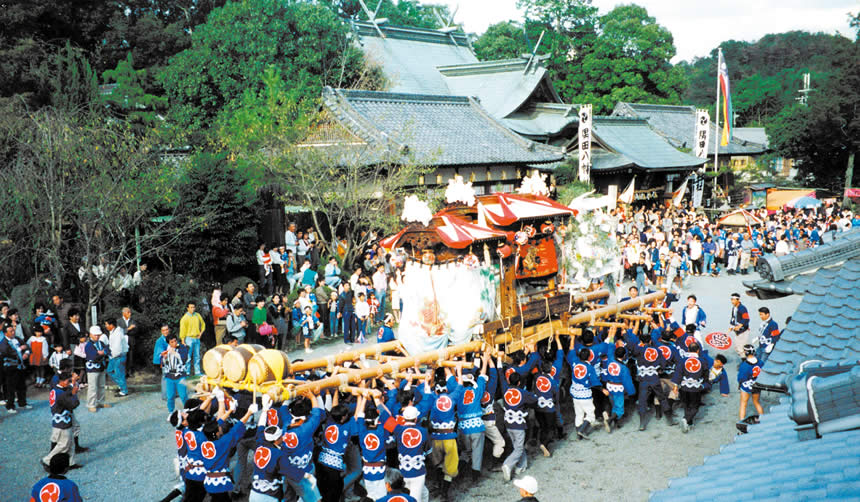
column 311, row 329
column 373, row 303
column 80, row 358
column 362, row 312
column 58, row 355
column 332, row 313
column 38, row 354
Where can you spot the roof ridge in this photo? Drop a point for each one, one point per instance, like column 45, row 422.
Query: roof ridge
column 403, row 97
column 342, row 112
column 366, row 28
column 482, row 67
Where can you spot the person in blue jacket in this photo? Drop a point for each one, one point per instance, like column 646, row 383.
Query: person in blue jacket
column 718, row 376
column 768, row 335
column 748, row 371
column 56, row 486
column 618, row 384
column 215, row 451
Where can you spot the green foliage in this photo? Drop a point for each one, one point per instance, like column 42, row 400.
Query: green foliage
column 567, row 172
column 128, row 99
column 164, row 297
column 570, row 191
column 306, row 42
column 402, row 13
column 73, row 83
column 221, row 195
column 629, row 62
column 501, row 41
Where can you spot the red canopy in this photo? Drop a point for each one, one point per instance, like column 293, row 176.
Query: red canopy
column 453, row 231
column 507, row 209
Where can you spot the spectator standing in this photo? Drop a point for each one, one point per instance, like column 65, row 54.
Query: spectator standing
column 97, row 356
column 362, row 313
column 13, row 354
column 302, row 247
column 38, row 346
column 277, row 315
column 129, row 326
column 276, row 256
column 290, row 238
column 333, row 313
column 236, row 323
column 219, row 318
column 264, row 274
column 259, row 317
column 191, row 327
column 380, row 288
column 249, row 297
column 346, row 312
column 118, row 353
column 311, row 330
column 174, row 361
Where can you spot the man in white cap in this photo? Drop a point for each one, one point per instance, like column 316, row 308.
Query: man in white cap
column 412, row 445
column 528, row 487
column 98, row 353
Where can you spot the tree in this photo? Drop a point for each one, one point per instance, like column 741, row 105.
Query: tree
column 349, row 189
column 824, row 135
column 222, row 194
column 501, row 41
column 630, row 61
column 128, row 99
column 306, row 42
column 77, row 190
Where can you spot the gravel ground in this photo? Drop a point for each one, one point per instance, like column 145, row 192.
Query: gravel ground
column 132, row 445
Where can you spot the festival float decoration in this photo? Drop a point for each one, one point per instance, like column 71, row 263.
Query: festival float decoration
column 491, row 272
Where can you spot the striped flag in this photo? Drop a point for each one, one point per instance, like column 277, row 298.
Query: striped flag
column 726, row 108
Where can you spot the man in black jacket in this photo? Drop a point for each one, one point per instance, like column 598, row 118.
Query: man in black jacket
column 346, row 312
column 13, row 353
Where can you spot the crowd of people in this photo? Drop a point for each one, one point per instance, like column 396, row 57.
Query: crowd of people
column 416, row 430
column 666, row 245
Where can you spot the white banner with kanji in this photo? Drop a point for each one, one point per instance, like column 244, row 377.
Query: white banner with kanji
column 703, row 130
column 585, row 133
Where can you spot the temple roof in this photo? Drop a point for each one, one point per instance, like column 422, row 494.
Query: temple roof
column 678, row 125
column 433, row 130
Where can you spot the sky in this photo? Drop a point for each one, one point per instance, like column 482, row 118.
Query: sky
column 697, row 26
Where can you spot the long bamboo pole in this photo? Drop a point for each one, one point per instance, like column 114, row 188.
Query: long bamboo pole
column 350, row 355
column 383, row 369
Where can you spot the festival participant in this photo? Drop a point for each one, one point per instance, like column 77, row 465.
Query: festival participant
column 470, row 412
column 488, row 401
column 768, row 335
column 445, row 394
column 217, row 447
column 56, row 486
column 63, row 400
column 395, row 488
column 516, row 401
column 412, row 447
column 174, row 361
column 618, row 383
column 546, row 385
column 693, row 314
column 306, row 415
column 583, row 379
column 718, row 375
column 673, row 357
column 193, row 438
column 739, row 323
column 97, row 357
column 649, row 363
column 689, row 379
column 528, row 486
column 372, row 438
column 748, row 371
column 337, row 431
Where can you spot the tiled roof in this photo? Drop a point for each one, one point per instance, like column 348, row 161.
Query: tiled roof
column 782, row 459
column 678, row 125
column 544, row 121
column 825, row 326
column 434, row 130
column 751, row 135
column 409, row 56
column 501, row 86
column 631, row 142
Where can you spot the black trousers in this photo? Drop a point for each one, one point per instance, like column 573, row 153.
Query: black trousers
column 14, row 385
column 330, row 483
column 547, row 422
column 691, row 401
column 647, row 390
column 194, row 491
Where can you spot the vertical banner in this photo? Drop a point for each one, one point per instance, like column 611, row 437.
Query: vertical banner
column 585, row 143
column 703, row 129
column 698, row 180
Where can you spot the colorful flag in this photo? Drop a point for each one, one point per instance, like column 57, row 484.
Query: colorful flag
column 678, row 194
column 726, row 108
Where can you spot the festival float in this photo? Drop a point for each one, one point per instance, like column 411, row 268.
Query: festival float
column 487, row 272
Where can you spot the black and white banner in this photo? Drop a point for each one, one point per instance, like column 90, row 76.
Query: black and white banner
column 585, row 133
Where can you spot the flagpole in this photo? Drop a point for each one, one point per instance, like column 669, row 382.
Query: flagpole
column 717, row 131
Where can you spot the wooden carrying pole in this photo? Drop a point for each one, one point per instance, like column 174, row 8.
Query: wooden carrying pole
column 383, row 369
column 351, row 355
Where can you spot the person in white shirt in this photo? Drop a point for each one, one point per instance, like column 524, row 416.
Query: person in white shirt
column 781, row 246
column 362, row 312
column 118, row 342
column 380, row 287
column 290, row 239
